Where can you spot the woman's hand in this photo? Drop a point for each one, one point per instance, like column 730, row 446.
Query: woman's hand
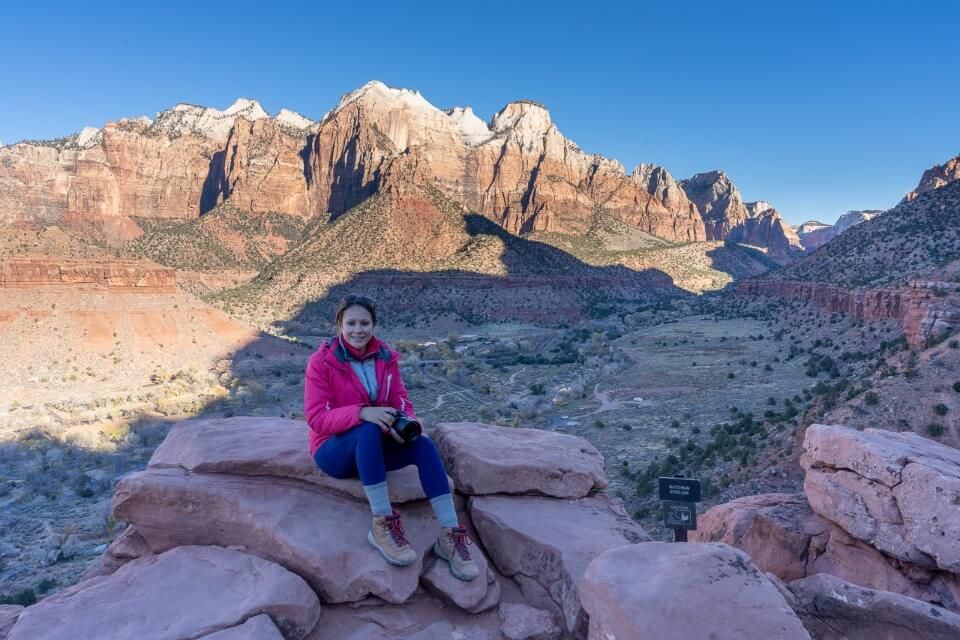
column 383, row 417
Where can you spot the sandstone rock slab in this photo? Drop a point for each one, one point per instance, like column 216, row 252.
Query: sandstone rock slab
column 856, row 561
column 8, row 616
column 522, row 622
column 898, row 492
column 831, row 608
column 490, row 600
column 484, row 459
column 187, row 592
column 521, row 537
column 319, row 535
column 465, row 594
column 256, row 628
column 686, row 591
column 264, row 446
column 780, row 532
column 784, row 537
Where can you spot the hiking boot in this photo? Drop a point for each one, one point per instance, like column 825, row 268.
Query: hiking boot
column 386, row 536
column 451, row 545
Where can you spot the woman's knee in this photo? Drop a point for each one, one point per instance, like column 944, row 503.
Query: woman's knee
column 367, row 431
column 424, row 450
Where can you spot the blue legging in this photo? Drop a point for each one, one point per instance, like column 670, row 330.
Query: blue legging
column 365, row 451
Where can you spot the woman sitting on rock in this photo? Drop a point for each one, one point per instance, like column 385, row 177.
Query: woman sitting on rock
column 352, row 396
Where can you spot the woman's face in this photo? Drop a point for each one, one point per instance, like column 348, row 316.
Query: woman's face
column 356, row 326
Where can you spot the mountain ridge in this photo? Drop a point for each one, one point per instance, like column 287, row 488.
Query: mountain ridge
column 517, row 169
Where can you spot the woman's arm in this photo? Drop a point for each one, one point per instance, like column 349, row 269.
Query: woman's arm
column 322, row 416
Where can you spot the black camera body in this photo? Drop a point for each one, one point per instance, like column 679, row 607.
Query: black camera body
column 406, row 427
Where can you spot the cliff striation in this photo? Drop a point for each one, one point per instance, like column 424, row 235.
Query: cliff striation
column 115, row 275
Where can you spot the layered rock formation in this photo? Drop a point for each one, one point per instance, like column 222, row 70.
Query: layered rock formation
column 727, row 217
column 878, row 511
column 115, row 275
column 936, row 177
column 233, row 533
column 831, row 608
column 249, row 484
column 517, row 170
column 921, row 313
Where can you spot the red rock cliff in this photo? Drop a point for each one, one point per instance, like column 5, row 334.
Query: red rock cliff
column 116, row 275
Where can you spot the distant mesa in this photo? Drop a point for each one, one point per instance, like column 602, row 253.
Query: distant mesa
column 814, row 235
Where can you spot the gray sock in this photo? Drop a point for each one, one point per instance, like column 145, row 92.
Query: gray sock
column 444, row 510
column 378, row 498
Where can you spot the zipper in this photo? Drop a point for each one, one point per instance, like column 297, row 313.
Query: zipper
column 386, row 396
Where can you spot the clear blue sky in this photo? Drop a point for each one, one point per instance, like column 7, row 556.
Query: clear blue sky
column 818, row 107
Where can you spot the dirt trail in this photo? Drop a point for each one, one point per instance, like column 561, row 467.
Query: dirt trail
column 513, row 376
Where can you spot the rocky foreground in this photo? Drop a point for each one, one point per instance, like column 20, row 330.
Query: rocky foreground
column 233, row 533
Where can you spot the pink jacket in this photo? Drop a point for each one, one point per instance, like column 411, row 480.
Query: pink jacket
column 333, row 395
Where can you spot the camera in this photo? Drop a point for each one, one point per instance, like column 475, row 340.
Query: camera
column 406, row 427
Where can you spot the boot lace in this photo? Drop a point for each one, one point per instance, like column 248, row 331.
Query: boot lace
column 460, row 541
column 395, row 528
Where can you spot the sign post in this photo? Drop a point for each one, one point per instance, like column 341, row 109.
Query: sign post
column 680, row 496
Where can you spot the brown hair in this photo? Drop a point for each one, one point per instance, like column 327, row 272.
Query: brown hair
column 355, row 300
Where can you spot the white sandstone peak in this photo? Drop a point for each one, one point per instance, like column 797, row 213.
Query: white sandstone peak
column 206, row 121
column 139, row 119
column 89, row 137
column 294, row 119
column 249, row 109
column 810, row 226
column 380, row 92
column 759, row 207
column 853, row 218
column 472, row 129
column 532, row 116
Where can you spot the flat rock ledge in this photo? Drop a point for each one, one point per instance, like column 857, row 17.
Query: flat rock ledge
column 665, row 591
column 522, row 540
column 246, row 446
column 831, row 608
column 484, row 459
column 318, row 535
column 187, row 592
column 898, row 492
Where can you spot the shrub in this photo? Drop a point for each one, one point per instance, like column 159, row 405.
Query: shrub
column 24, row 598
column 956, row 387
column 871, row 398
column 940, row 409
column 935, row 429
column 45, row 585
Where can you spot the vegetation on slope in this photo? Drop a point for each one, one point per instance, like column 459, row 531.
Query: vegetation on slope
column 908, row 241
